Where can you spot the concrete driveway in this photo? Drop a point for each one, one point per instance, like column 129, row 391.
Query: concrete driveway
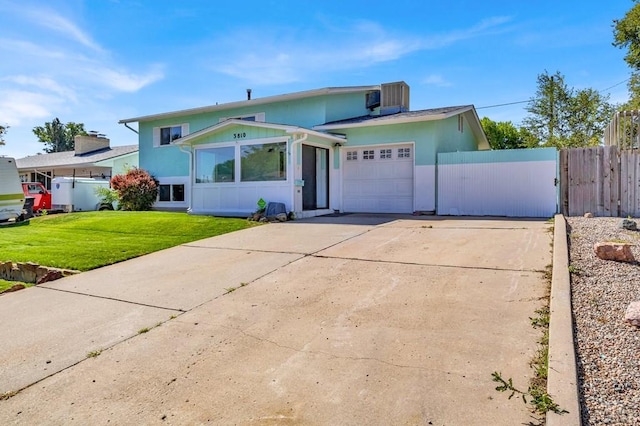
column 346, row 320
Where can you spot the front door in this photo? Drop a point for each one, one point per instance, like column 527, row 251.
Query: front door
column 315, row 173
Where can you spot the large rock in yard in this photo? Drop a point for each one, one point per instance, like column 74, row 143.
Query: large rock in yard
column 632, row 314
column 620, row 252
column 629, row 225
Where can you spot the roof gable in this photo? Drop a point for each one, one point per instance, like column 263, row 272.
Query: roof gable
column 433, row 114
column 226, row 125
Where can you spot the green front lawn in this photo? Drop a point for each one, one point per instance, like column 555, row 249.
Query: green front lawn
column 88, row 240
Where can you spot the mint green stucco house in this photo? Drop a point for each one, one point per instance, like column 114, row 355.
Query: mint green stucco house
column 347, row 149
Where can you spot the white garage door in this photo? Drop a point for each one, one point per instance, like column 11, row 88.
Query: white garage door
column 378, row 179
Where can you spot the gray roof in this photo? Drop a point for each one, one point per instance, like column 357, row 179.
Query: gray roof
column 68, row 158
column 424, row 114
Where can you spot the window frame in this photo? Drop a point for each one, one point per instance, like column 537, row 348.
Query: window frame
column 172, row 193
column 216, row 146
column 368, row 154
column 238, row 145
column 157, row 134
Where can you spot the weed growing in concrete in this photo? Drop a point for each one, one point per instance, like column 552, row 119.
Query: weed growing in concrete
column 94, row 354
column 7, row 395
column 536, row 394
column 143, row 330
column 539, row 400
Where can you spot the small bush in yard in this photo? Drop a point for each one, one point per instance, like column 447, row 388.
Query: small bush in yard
column 137, row 190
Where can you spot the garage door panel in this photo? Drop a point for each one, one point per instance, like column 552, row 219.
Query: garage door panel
column 379, row 185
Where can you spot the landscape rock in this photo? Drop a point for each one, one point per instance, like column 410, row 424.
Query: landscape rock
column 632, row 314
column 629, row 225
column 588, row 215
column 282, row 217
column 52, row 275
column 29, row 272
column 620, row 252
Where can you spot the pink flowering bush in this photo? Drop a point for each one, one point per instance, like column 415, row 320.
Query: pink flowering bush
column 137, row 190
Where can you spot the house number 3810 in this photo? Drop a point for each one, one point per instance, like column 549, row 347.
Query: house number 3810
column 239, row 135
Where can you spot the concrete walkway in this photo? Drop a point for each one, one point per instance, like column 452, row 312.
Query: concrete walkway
column 348, row 320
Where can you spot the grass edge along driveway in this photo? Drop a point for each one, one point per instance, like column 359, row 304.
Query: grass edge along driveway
column 89, row 240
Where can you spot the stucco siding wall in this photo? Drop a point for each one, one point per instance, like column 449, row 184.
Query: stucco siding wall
column 121, row 165
column 348, row 105
column 451, row 139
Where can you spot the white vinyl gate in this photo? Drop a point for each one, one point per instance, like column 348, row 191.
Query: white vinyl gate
column 514, row 183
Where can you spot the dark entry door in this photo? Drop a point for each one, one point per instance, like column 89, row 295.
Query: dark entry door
column 315, row 173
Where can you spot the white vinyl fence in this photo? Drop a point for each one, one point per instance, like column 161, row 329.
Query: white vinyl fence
column 513, row 183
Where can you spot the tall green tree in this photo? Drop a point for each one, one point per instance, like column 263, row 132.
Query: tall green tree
column 562, row 117
column 3, row 131
column 626, row 35
column 58, row 137
column 504, row 134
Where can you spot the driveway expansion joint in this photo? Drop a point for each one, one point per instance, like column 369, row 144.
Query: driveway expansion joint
column 112, row 298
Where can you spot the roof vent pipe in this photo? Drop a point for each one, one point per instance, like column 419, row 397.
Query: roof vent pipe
column 248, row 94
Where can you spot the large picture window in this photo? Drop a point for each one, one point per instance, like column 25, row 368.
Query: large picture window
column 263, row 162
column 215, row 165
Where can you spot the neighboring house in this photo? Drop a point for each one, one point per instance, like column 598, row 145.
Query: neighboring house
column 348, row 149
column 93, row 157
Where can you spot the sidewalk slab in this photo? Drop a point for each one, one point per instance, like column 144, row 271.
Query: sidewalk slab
column 178, row 278
column 46, row 331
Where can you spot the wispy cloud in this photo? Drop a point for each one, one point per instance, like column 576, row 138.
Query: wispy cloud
column 19, row 106
column 286, row 56
column 44, row 83
column 436, row 80
column 50, row 19
column 124, row 81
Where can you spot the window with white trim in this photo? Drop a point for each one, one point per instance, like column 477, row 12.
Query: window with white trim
column 169, row 192
column 263, row 162
column 385, row 154
column 165, row 135
column 369, row 154
column 404, row 152
column 215, row 165
column 352, row 155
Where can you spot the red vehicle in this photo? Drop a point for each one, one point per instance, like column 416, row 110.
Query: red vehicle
column 42, row 197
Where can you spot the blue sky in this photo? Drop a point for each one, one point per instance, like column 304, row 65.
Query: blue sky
column 98, row 61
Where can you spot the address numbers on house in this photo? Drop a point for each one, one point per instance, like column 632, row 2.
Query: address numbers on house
column 240, row 135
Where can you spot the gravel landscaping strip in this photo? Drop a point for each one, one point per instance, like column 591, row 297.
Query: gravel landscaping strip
column 607, row 349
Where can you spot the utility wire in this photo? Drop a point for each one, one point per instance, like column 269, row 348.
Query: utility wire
column 529, row 100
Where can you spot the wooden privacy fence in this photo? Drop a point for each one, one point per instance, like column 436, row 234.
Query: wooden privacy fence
column 601, row 180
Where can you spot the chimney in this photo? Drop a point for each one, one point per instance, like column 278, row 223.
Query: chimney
column 248, row 94
column 94, row 141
